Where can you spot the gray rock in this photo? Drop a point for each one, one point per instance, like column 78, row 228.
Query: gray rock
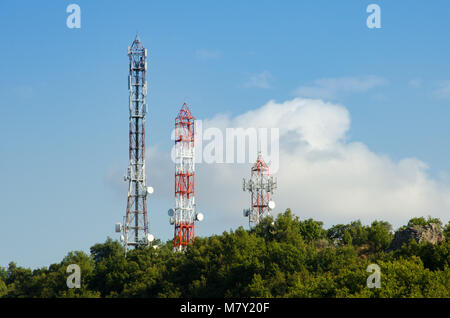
column 428, row 233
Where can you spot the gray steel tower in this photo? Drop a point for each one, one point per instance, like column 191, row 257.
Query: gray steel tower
column 135, row 227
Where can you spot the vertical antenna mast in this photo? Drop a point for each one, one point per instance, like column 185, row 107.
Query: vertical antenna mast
column 184, row 215
column 135, row 227
column 261, row 186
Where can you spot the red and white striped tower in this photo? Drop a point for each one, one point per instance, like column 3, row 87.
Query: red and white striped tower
column 261, row 186
column 184, row 215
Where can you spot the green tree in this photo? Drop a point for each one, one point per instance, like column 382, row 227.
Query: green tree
column 18, row 281
column 312, row 230
column 354, row 233
column 3, row 287
column 423, row 222
column 447, row 231
column 281, row 257
column 110, row 272
column 379, row 235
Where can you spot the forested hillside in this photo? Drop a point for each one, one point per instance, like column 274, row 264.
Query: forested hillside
column 282, row 257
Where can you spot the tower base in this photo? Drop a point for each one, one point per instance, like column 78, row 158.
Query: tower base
column 183, row 236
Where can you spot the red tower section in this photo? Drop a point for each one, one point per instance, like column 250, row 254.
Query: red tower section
column 260, row 199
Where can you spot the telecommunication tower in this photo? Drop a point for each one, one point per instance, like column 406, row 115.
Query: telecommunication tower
column 135, row 227
column 261, row 186
column 184, row 215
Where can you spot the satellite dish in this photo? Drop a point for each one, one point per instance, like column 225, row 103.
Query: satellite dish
column 171, row 212
column 172, row 221
column 200, row 217
column 271, row 204
column 150, row 238
column 150, row 190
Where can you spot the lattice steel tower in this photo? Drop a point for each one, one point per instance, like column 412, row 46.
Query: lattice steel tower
column 261, row 186
column 184, row 215
column 135, row 226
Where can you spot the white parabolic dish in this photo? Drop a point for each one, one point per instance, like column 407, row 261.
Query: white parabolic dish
column 271, row 204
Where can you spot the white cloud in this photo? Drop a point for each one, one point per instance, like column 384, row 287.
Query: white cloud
column 443, row 91
column 261, row 80
column 321, row 175
column 330, row 88
column 318, row 124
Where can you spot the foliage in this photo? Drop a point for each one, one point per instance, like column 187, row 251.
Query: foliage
column 447, row 231
column 379, row 235
column 282, row 257
column 422, row 221
column 354, row 233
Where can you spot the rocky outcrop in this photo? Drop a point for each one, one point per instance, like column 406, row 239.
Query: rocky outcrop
column 428, row 233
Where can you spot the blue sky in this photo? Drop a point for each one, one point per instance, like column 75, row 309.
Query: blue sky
column 63, row 95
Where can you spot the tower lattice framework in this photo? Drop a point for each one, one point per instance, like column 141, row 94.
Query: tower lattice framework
column 184, row 214
column 261, row 186
column 136, row 226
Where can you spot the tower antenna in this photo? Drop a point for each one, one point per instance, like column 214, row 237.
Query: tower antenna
column 184, row 215
column 261, row 186
column 136, row 226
